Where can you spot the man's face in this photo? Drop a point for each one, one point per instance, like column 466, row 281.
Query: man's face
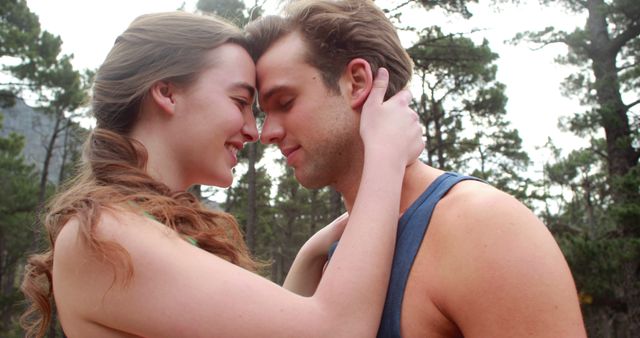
column 314, row 127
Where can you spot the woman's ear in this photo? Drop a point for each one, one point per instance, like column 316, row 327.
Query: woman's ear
column 359, row 80
column 162, row 94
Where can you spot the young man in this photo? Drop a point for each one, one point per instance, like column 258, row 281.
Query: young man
column 470, row 260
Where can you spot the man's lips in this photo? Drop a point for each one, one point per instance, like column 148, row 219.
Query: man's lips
column 288, row 151
column 290, row 154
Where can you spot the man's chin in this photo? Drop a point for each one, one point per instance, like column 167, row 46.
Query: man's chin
column 308, row 181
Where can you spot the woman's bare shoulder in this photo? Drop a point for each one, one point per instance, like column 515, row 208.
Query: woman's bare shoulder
column 116, row 224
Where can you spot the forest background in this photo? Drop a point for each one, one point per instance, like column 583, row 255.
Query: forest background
column 585, row 188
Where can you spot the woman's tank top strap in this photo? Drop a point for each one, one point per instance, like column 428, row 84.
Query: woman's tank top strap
column 411, row 230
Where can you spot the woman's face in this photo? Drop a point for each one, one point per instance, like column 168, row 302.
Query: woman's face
column 216, row 118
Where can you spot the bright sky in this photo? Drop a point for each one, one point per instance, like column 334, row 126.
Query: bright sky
column 89, row 28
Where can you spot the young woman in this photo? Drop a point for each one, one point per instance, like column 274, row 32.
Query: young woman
column 134, row 255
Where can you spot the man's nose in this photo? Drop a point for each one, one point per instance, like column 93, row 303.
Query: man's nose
column 272, row 131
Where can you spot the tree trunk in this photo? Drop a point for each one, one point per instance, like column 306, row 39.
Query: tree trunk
column 336, row 204
column 8, row 289
column 42, row 191
column 251, row 198
column 426, row 120
column 437, row 116
column 621, row 156
column 3, row 273
column 65, row 152
column 314, row 212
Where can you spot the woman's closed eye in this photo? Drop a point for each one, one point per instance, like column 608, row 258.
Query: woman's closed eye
column 242, row 103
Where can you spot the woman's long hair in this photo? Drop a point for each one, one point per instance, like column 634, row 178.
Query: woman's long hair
column 168, row 47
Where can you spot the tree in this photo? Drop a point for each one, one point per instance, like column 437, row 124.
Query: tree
column 463, row 110
column 41, row 71
column 298, row 214
column 19, row 28
column 605, row 53
column 18, row 203
column 235, row 11
column 576, row 185
column 260, row 237
column 449, row 6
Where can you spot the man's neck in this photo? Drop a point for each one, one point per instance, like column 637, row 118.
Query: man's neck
column 417, row 178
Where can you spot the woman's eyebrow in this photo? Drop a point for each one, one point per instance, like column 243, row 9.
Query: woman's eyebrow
column 246, row 86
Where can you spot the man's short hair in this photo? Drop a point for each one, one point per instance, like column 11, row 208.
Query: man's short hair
column 336, row 32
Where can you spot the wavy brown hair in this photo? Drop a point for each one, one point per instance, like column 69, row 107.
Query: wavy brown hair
column 156, row 47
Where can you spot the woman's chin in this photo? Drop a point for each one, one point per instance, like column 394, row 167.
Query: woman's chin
column 218, row 181
column 224, row 182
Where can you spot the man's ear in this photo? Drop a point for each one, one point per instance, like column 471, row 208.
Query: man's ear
column 359, row 80
column 162, row 93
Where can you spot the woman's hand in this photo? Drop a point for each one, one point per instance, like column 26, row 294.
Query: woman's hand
column 390, row 128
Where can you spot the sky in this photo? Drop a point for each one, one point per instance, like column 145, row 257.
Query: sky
column 88, row 29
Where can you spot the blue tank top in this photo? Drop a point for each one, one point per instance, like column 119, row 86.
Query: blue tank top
column 411, row 229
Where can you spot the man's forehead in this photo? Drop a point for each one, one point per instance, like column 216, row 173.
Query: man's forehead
column 278, row 66
column 283, row 53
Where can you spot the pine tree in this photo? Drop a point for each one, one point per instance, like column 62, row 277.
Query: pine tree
column 603, row 180
column 18, row 202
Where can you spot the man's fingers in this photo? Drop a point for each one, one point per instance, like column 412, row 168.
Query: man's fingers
column 379, row 86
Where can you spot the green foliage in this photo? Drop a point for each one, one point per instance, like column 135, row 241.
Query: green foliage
column 19, row 27
column 599, row 267
column 18, row 182
column 628, row 212
column 451, row 6
column 232, row 10
column 36, row 67
column 582, row 197
column 41, row 68
column 237, row 204
column 43, row 71
column 299, row 213
column 604, row 261
column 463, row 110
column 603, row 181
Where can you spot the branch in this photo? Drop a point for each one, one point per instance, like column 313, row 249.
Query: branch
column 630, row 105
column 433, row 87
column 600, row 152
column 632, row 65
column 550, row 36
column 450, row 91
column 21, row 209
column 632, row 32
column 547, row 43
column 28, row 85
column 428, row 40
column 400, row 6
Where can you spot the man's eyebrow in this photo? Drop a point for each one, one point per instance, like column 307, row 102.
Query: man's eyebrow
column 246, row 86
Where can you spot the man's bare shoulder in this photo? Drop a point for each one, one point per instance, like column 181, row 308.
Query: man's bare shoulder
column 473, row 207
column 500, row 271
column 477, row 220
